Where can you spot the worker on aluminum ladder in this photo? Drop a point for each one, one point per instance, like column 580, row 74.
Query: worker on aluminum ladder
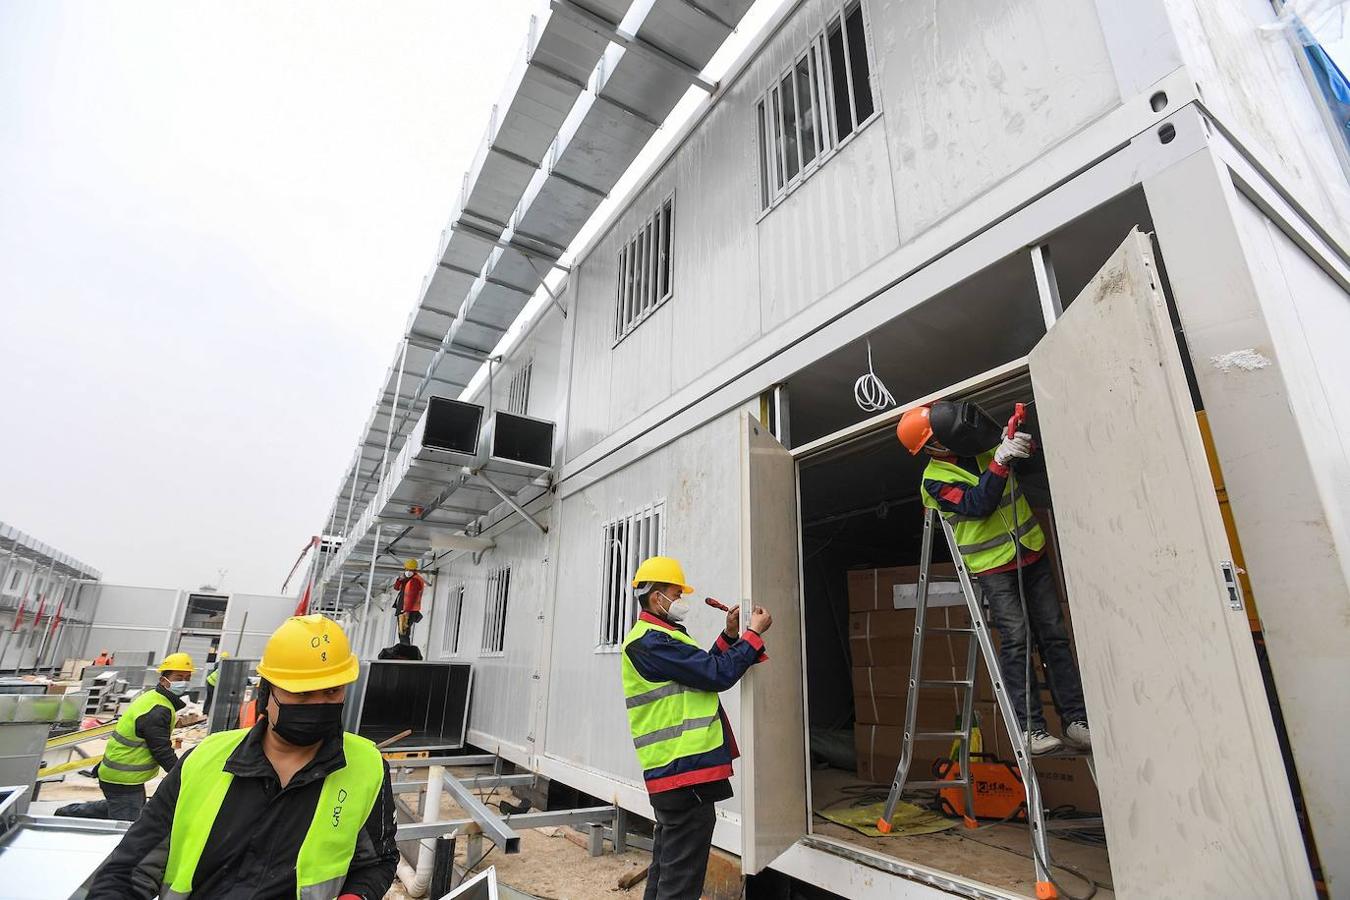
column 212, row 679
column 292, row 807
column 683, row 739
column 408, row 606
column 974, row 493
column 139, row 746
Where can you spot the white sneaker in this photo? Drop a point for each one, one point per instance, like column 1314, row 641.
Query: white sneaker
column 1041, row 742
column 1078, row 736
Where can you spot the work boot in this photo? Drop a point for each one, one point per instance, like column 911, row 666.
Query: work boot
column 1041, row 742
column 1078, row 736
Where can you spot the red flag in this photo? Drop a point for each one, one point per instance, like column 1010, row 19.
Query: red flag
column 42, row 602
column 56, row 619
column 302, row 608
column 18, row 614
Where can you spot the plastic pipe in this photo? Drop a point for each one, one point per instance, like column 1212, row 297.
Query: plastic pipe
column 417, row 880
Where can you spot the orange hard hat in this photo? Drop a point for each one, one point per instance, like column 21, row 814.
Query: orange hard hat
column 914, row 429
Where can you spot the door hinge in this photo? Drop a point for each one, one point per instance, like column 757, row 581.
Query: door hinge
column 1231, row 583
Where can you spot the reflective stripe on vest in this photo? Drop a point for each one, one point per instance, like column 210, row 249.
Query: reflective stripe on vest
column 126, row 759
column 668, row 720
column 212, row 678
column 986, row 543
column 345, row 802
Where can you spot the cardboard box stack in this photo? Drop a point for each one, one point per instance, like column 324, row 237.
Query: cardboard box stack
column 881, row 639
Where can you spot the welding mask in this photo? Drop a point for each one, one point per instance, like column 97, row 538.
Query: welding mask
column 963, row 428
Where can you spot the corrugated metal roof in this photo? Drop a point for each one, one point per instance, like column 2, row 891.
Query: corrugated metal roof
column 594, row 82
column 25, row 546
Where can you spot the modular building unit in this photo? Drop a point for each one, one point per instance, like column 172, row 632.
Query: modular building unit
column 1133, row 215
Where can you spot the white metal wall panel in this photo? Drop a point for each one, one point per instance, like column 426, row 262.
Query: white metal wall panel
column 698, row 476
column 1294, row 576
column 834, row 225
column 250, row 620
column 591, row 295
column 973, row 90
column 503, row 684
column 715, row 253
column 1253, row 83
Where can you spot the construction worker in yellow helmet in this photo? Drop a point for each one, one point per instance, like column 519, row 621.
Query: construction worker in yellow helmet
column 212, row 678
column 408, row 604
column 139, row 746
column 278, row 810
column 683, row 739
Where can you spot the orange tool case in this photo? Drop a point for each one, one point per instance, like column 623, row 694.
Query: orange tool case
column 996, row 784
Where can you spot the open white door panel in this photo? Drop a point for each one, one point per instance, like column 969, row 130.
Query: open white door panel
column 774, row 809
column 1194, row 795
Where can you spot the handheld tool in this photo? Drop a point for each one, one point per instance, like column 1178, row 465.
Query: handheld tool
column 1018, row 417
column 718, row 604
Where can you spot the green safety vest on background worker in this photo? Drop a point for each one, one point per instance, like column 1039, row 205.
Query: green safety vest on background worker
column 345, row 802
column 127, row 760
column 213, row 676
column 985, row 543
column 668, row 720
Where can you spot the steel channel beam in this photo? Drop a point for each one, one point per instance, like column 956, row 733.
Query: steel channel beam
column 562, row 817
column 483, row 759
column 493, row 826
column 476, row 782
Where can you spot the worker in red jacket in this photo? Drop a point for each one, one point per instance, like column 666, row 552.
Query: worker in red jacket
column 408, row 606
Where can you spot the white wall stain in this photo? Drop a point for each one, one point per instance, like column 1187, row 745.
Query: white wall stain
column 1247, row 360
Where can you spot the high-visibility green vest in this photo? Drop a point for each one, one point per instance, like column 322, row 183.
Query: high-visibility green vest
column 668, row 720
column 989, row 542
column 127, row 760
column 213, row 676
column 345, row 803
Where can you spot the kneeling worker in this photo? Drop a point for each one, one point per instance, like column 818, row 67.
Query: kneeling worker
column 996, row 538
column 139, row 746
column 684, row 742
column 292, row 807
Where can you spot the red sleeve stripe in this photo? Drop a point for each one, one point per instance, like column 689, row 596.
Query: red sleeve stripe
column 951, row 493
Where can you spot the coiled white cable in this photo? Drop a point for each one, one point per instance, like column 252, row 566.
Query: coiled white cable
column 869, row 392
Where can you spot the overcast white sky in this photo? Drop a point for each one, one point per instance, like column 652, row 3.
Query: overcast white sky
column 214, row 219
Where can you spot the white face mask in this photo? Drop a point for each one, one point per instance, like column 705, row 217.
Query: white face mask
column 177, row 687
column 676, row 610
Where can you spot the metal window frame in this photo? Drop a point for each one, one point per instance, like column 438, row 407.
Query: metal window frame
column 518, row 391
column 776, row 185
column 456, row 621
column 645, row 261
column 789, row 78
column 643, row 534
column 493, row 641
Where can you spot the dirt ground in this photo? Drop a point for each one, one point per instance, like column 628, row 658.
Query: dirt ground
column 548, row 866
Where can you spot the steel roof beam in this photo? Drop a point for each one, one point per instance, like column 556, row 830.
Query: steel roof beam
column 628, row 41
column 522, row 249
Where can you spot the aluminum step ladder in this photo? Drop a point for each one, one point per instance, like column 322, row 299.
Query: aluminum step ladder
column 980, row 645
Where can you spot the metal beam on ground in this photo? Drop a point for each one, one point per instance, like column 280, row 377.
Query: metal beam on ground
column 546, row 819
column 492, row 824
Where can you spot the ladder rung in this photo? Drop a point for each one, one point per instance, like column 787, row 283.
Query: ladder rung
column 945, row 630
column 922, row 735
column 930, row 785
column 946, row 682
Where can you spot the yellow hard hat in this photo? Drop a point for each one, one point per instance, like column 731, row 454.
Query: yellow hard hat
column 662, row 569
column 308, row 653
column 177, row 662
column 410, row 564
column 224, row 654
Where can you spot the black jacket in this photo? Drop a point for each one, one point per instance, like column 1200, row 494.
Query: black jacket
column 155, row 727
column 256, row 837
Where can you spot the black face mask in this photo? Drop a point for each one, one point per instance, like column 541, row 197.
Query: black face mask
column 304, row 724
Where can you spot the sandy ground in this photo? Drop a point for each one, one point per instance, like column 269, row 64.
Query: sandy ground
column 548, row 866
